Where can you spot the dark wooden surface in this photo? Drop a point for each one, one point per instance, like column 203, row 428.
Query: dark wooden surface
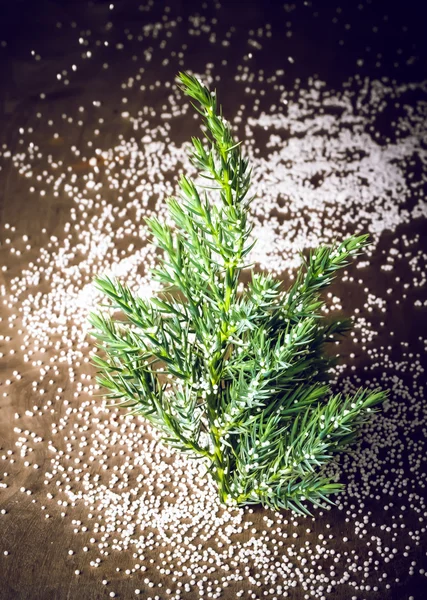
column 38, row 565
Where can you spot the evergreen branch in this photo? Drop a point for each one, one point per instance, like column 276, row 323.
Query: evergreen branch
column 240, row 381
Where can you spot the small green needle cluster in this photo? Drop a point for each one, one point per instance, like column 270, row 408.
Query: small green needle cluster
column 236, row 378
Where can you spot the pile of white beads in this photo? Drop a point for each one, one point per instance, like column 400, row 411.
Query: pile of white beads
column 140, row 498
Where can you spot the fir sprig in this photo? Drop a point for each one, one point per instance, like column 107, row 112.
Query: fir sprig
column 239, row 380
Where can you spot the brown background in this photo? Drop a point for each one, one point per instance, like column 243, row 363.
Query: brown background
column 38, row 567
